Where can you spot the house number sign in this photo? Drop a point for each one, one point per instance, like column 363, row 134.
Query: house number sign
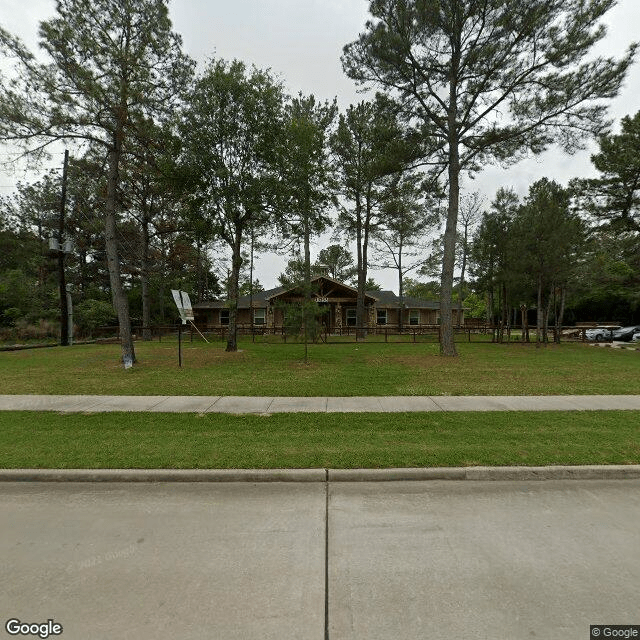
column 321, row 299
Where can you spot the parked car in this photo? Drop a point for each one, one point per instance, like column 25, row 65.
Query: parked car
column 626, row 333
column 600, row 334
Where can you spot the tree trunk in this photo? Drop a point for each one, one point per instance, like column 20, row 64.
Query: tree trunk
column 505, row 310
column 236, row 264
column 199, row 275
column 307, row 320
column 163, row 273
column 560, row 316
column 525, row 323
column 545, row 330
column 144, row 278
column 362, row 271
column 120, row 301
column 447, row 345
column 62, row 283
column 539, row 313
column 461, row 295
column 251, row 282
column 400, row 290
column 489, row 313
column 500, row 323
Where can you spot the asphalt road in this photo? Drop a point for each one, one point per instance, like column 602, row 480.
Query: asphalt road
column 406, row 560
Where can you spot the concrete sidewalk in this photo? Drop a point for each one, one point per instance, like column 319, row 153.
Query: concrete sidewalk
column 346, row 404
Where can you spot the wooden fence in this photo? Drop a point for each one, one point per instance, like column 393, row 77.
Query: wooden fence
column 388, row 334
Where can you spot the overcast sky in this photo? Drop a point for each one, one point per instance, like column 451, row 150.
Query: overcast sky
column 301, row 41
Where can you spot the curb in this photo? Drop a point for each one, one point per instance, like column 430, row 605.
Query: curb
column 585, row 472
column 163, row 475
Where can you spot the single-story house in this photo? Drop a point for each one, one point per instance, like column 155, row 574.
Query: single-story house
column 339, row 299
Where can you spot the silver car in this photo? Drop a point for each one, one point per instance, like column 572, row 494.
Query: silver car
column 600, row 334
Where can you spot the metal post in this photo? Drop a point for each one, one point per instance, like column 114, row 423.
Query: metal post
column 179, row 345
column 70, row 316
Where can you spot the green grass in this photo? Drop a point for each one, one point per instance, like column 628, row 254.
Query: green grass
column 334, row 370
column 140, row 440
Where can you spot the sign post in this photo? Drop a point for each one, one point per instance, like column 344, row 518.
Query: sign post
column 181, row 298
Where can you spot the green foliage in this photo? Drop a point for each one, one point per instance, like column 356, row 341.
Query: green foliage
column 371, row 150
column 246, row 288
column 528, row 253
column 339, row 262
column 532, row 61
column 307, row 183
column 294, row 272
column 370, row 147
column 547, row 236
column 233, row 184
column 114, row 69
column 614, row 197
column 492, row 253
column 91, row 314
column 422, row 290
column 487, row 81
column 18, row 296
column 107, row 56
column 372, row 285
column 304, row 319
column 334, row 261
column 406, row 218
column 475, row 306
column 608, row 280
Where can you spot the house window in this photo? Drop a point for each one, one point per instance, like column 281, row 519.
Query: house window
column 351, row 317
column 414, row 316
column 381, row 316
column 224, row 316
column 259, row 316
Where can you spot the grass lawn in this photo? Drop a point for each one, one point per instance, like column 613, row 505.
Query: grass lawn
column 139, row 440
column 334, row 370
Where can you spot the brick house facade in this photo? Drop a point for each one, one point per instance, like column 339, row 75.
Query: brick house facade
column 382, row 308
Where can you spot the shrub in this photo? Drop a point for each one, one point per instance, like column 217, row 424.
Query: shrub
column 90, row 314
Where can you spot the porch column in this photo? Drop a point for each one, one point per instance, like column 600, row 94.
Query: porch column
column 338, row 315
column 269, row 316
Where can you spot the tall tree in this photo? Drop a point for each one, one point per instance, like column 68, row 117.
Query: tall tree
column 307, row 186
column 470, row 205
column 229, row 168
column 338, row 261
column 489, row 80
column 405, row 221
column 614, row 197
column 492, row 253
column 147, row 197
column 548, row 237
column 115, row 64
column 370, row 148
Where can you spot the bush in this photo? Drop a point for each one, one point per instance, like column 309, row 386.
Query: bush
column 304, row 319
column 90, row 314
column 25, row 331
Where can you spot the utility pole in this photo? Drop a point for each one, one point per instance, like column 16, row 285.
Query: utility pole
column 64, row 312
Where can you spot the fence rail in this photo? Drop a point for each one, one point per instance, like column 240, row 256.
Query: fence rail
column 409, row 333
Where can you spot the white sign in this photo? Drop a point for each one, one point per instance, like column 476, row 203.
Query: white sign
column 183, row 303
